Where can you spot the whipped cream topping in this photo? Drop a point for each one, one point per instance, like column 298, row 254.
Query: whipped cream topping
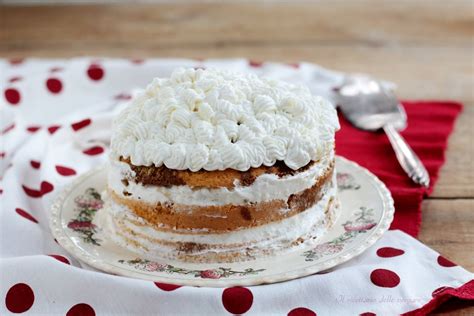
column 215, row 120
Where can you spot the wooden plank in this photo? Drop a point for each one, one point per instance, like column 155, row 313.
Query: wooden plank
column 447, row 228
column 372, row 22
column 456, row 178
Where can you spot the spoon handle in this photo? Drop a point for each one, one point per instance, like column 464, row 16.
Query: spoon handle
column 407, row 157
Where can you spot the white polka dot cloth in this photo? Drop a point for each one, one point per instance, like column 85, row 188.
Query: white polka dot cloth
column 55, row 125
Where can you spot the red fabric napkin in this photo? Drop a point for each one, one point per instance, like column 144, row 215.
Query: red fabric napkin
column 429, row 125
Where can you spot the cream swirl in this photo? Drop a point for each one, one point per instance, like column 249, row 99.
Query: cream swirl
column 215, row 120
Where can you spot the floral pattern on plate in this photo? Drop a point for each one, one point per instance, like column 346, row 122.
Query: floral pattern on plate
column 87, row 205
column 362, row 223
column 346, row 181
column 153, row 266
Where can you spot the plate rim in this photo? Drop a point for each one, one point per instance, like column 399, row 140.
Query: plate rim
column 85, row 257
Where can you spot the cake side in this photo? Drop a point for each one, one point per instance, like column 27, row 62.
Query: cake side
column 301, row 230
column 215, row 166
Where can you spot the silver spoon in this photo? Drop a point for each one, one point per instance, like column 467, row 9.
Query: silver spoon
column 370, row 106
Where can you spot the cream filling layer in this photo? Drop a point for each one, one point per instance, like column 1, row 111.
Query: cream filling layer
column 117, row 221
column 267, row 187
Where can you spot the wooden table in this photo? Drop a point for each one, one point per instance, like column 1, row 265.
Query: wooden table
column 424, row 47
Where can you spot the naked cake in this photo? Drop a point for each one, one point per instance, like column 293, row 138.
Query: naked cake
column 215, row 166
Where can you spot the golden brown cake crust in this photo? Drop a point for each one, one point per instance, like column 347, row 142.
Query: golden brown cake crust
column 229, row 217
column 162, row 176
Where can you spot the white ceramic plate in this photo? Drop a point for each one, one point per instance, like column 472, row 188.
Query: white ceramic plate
column 367, row 211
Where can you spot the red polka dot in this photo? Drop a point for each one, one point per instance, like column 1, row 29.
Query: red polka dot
column 15, row 79
column 384, row 278
column 56, row 69
column 294, row 65
column 65, row 171
column 442, row 261
column 8, row 128
column 45, row 188
column 12, row 95
column 123, row 96
column 60, row 258
column 53, row 128
column 440, row 290
column 81, row 309
column 137, row 61
column 31, row 192
column 254, row 63
column 16, row 61
column 33, row 129
column 95, row 72
column 54, row 85
column 237, row 300
column 96, row 150
column 19, row 298
column 167, row 287
column 26, row 215
column 388, row 252
column 368, row 314
column 2, row 154
column 81, row 124
column 35, row 164
column 301, row 311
